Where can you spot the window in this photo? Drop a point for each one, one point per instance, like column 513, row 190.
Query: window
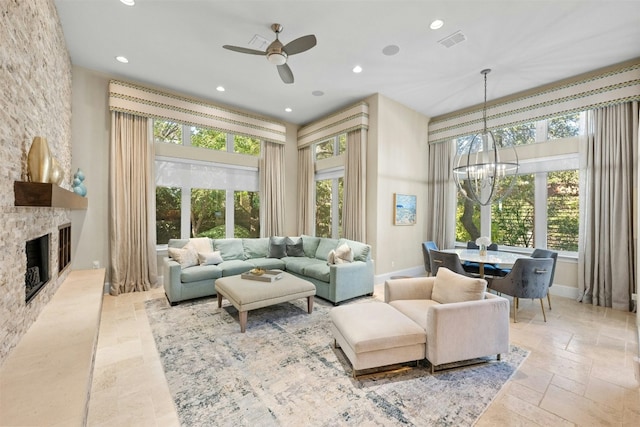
column 329, row 185
column 332, row 147
column 196, row 198
column 543, row 208
column 329, row 207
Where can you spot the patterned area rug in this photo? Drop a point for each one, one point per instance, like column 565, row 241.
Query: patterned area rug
column 284, row 371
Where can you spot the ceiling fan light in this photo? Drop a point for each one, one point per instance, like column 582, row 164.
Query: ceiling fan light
column 277, row 58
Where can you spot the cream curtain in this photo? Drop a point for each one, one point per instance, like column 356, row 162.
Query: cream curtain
column 272, row 189
column 606, row 265
column 441, row 195
column 306, row 191
column 353, row 214
column 132, row 208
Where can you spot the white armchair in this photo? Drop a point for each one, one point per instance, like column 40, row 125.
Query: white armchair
column 461, row 320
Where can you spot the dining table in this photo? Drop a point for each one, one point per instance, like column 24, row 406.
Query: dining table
column 501, row 258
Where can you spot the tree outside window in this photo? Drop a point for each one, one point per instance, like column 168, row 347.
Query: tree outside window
column 329, row 196
column 208, row 213
column 246, row 214
column 208, row 138
column 167, row 132
column 167, row 214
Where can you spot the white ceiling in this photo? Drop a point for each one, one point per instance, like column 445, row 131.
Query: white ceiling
column 178, row 45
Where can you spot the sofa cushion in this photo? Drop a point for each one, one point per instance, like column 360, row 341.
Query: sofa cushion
column 297, row 264
column 255, row 248
column 186, row 257
column 177, row 243
column 267, row 263
column 319, row 271
column 325, row 246
column 234, row 267
column 414, row 309
column 277, row 247
column 230, row 249
column 360, row 250
column 294, row 246
column 209, row 258
column 310, row 245
column 197, row 273
column 453, row 287
column 201, row 244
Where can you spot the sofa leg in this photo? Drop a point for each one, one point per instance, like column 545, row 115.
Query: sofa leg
column 433, row 369
column 171, row 303
column 499, row 356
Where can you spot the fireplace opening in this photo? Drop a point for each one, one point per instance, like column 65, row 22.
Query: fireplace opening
column 37, row 274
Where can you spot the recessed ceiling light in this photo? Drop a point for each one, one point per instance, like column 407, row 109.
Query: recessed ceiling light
column 317, row 93
column 122, row 59
column 438, row 23
column 391, row 50
column 128, row 2
column 357, row 69
column 220, row 89
column 288, row 110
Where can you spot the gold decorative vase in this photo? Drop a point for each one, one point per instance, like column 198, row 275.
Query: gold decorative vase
column 57, row 173
column 39, row 160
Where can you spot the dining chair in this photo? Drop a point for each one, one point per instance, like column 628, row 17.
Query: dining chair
column 529, row 278
column 540, row 253
column 448, row 260
column 426, row 247
column 474, row 267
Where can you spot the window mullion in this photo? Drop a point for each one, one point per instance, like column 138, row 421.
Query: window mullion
column 335, row 212
column 229, row 214
column 540, row 211
column 185, row 213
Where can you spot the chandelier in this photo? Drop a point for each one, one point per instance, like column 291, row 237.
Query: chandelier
column 485, row 167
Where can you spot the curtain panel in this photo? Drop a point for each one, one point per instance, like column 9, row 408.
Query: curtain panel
column 145, row 102
column 272, row 190
column 609, row 86
column 132, row 207
column 355, row 178
column 440, row 218
column 606, row 263
column 306, row 190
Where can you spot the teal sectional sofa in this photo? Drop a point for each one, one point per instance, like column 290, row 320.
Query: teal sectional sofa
column 304, row 256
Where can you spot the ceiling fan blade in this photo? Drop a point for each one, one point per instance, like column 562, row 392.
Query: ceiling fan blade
column 244, row 50
column 300, row 44
column 285, row 73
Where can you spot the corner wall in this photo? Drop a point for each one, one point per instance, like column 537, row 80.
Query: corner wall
column 35, row 100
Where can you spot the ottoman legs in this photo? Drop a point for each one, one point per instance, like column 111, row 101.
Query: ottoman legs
column 243, row 320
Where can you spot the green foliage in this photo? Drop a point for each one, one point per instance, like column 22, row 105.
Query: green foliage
column 564, row 126
column 167, row 214
column 246, row 145
column 219, row 232
column 247, row 213
column 207, row 209
column 168, row 132
column 208, row 138
column 323, row 208
column 324, row 150
column 517, row 135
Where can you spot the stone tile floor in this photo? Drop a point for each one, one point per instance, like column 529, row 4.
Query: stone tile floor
column 580, row 370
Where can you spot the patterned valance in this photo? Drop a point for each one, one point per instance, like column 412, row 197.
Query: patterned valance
column 355, row 117
column 130, row 98
column 610, row 86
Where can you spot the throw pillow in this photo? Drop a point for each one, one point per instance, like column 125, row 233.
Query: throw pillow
column 229, row 248
column 453, row 287
column 186, row 256
column 343, row 254
column 331, row 257
column 277, row 247
column 256, row 247
column 294, row 247
column 360, row 250
column 210, row 258
column 200, row 244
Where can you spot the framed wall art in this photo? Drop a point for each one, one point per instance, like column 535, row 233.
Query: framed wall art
column 404, row 209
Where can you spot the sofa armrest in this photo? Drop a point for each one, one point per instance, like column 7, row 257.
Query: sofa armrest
column 466, row 330
column 171, row 279
column 350, row 280
column 408, row 288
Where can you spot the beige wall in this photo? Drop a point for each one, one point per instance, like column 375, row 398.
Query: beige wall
column 397, row 154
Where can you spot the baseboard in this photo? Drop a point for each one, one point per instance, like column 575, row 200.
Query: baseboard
column 564, row 291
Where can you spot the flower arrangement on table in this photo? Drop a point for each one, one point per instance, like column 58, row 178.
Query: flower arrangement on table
column 483, row 242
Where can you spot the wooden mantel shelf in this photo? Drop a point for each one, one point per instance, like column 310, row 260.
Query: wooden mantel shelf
column 38, row 194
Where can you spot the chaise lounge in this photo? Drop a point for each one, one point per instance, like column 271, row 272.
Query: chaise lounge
column 447, row 318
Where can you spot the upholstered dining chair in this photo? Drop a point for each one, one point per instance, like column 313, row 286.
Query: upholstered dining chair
column 529, row 278
column 445, row 259
column 426, row 247
column 474, row 267
column 541, row 253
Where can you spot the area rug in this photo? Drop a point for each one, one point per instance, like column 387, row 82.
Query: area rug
column 284, row 371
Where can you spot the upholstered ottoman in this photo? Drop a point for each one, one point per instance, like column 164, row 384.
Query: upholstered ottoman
column 376, row 334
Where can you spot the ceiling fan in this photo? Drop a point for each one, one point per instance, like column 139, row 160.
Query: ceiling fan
column 277, row 53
